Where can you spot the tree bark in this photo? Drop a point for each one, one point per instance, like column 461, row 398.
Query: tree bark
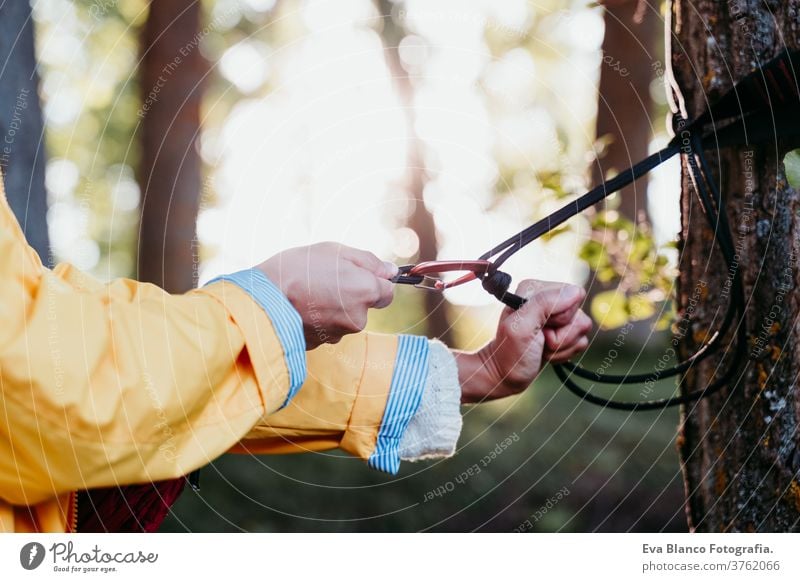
column 170, row 174
column 421, row 221
column 739, row 447
column 22, row 151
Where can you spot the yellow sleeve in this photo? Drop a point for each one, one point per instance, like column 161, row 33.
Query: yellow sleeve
column 359, row 395
column 122, row 383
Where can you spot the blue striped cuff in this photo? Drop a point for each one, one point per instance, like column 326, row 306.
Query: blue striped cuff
column 405, row 395
column 285, row 319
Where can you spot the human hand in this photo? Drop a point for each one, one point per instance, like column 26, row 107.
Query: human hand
column 332, row 286
column 550, row 327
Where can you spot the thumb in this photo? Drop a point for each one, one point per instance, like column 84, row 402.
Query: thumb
column 389, row 270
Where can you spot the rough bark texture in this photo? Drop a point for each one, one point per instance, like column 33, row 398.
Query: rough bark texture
column 170, row 173
column 421, row 220
column 739, row 448
column 22, row 155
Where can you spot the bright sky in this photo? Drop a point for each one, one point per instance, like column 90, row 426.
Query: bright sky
column 322, row 155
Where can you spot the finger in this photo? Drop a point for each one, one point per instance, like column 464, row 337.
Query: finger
column 367, row 260
column 564, row 336
column 546, row 300
column 565, row 355
column 368, row 290
column 564, row 313
column 356, row 322
column 315, row 338
column 389, row 270
column 563, row 318
column 528, row 287
column 385, row 294
column 528, row 319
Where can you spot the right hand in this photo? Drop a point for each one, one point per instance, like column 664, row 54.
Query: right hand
column 550, row 327
column 332, row 286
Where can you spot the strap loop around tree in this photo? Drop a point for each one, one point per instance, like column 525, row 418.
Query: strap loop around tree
column 759, row 96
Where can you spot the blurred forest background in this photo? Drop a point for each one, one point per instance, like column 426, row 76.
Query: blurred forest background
column 186, row 139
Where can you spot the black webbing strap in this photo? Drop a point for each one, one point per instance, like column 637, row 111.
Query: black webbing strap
column 762, row 107
column 700, row 175
column 771, row 86
column 592, row 197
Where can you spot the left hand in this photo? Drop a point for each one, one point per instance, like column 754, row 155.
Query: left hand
column 550, row 327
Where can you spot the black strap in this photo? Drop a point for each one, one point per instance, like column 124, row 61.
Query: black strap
column 511, row 245
column 498, row 282
column 771, row 86
column 762, row 107
column 714, row 212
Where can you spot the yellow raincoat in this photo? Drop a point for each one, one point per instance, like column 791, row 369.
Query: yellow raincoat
column 120, row 383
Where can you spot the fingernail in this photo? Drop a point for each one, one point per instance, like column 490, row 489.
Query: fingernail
column 391, row 268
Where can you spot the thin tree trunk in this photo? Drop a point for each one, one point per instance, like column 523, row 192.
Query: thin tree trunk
column 421, row 220
column 22, row 147
column 170, row 172
column 624, row 108
column 739, row 448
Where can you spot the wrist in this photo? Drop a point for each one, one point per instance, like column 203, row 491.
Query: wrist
column 281, row 279
column 484, row 378
column 473, row 375
column 272, row 272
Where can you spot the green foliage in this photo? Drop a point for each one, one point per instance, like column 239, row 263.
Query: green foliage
column 792, row 165
column 625, row 255
column 619, row 253
column 90, row 95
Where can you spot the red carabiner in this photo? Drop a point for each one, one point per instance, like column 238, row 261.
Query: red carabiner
column 419, row 276
column 477, row 269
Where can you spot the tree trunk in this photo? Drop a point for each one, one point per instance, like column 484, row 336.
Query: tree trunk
column 170, row 172
column 624, row 111
column 624, row 107
column 421, row 220
column 739, row 447
column 22, row 152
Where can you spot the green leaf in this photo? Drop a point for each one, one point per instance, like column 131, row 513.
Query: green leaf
column 606, row 274
column 792, row 164
column 665, row 321
column 594, row 254
column 610, row 309
column 640, row 306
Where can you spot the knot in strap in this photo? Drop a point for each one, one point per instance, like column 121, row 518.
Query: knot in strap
column 497, row 283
